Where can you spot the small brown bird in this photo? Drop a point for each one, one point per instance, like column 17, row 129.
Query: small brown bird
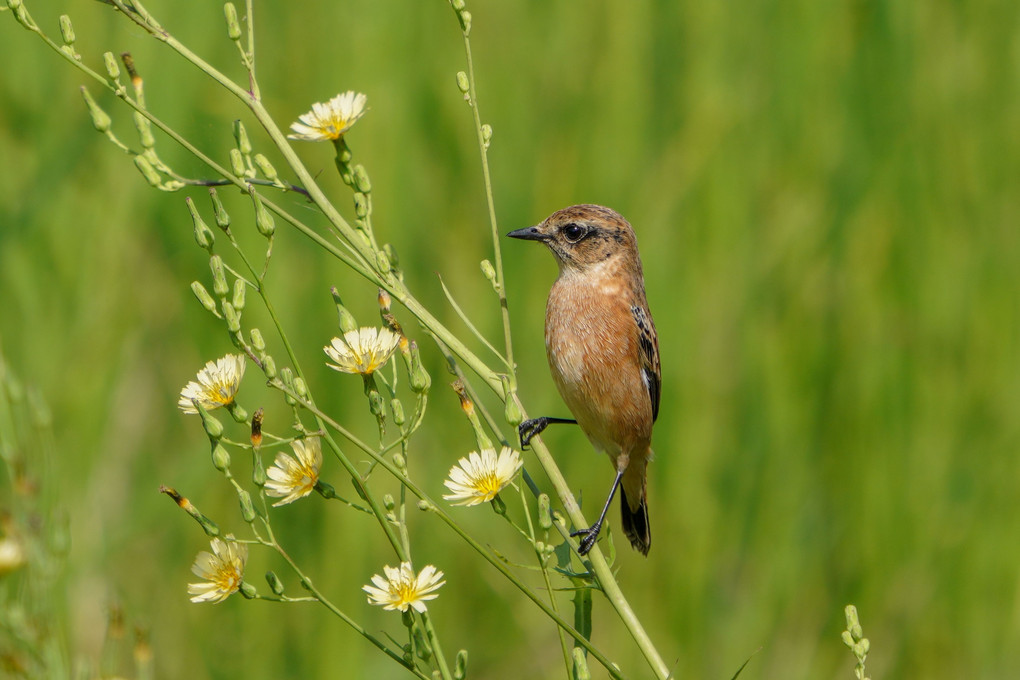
column 603, row 352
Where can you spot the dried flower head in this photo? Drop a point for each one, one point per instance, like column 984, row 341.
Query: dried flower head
column 331, row 120
column 480, row 476
column 217, row 384
column 222, row 569
column 291, row 478
column 363, row 350
column 402, row 588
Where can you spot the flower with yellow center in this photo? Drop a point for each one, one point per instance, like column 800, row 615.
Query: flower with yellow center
column 402, row 588
column 222, row 569
column 480, row 476
column 217, row 384
column 291, row 478
column 363, row 351
column 331, row 120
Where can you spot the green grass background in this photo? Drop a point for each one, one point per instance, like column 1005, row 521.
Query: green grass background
column 825, row 194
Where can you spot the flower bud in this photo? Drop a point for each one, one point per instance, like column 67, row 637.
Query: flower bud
column 544, row 516
column 460, row 667
column 247, row 509
column 222, row 218
column 220, row 457
column 203, row 296
column 458, row 5
column 347, row 321
column 220, row 287
column 100, row 119
column 266, row 168
column 233, row 25
column 258, row 343
column 511, row 411
column 382, row 262
column 360, row 205
column 397, row 409
column 144, row 128
column 112, row 67
column 264, row 221
column 465, row 21
column 184, row 504
column 361, row 181
column 462, row 82
column 248, row 590
column 275, row 584
column 66, row 30
column 237, row 163
column 486, row 135
column 400, row 462
column 269, row 367
column 240, row 288
column 581, row 671
column 256, row 427
column 148, row 172
column 419, row 377
column 232, row 317
column 425, row 506
column 301, row 387
column 203, row 234
column 212, row 426
column 488, row 271
column 241, row 137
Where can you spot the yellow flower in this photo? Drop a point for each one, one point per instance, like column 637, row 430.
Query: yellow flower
column 330, row 120
column 479, row 477
column 402, row 588
column 222, row 569
column 362, row 351
column 217, row 384
column 294, row 477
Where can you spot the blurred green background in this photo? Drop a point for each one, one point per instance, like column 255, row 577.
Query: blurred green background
column 825, row 194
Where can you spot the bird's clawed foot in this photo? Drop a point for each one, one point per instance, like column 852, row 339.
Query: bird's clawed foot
column 590, row 535
column 530, row 429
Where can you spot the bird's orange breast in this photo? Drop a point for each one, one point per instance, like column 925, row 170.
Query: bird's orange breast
column 592, row 345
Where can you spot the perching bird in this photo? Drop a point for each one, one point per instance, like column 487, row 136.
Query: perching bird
column 603, row 352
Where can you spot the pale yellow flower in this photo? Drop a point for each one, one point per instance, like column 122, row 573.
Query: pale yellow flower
column 402, row 588
column 480, row 476
column 330, row 120
column 291, row 478
column 363, row 350
column 217, row 384
column 222, row 569
column 12, row 555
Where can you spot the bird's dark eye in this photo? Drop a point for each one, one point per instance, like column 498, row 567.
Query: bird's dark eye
column 574, row 232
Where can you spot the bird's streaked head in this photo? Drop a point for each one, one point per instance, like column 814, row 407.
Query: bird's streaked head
column 583, row 236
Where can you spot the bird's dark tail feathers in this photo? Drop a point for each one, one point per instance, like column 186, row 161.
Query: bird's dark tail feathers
column 635, row 523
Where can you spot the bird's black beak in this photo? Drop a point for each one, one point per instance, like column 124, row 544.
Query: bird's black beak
column 528, row 234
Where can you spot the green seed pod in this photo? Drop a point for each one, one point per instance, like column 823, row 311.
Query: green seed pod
column 220, row 287
column 148, row 172
column 462, row 82
column 100, row 119
column 237, row 163
column 220, row 457
column 112, row 67
column 233, row 25
column 361, row 181
column 269, row 366
column 248, row 591
column 247, row 509
column 232, row 317
column 66, row 30
column 257, row 341
column 544, row 517
column 204, row 236
column 266, row 168
column 222, row 218
column 275, row 584
column 203, row 296
column 240, row 288
column 241, row 137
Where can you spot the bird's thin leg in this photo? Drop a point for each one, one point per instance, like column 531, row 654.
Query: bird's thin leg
column 592, row 533
column 530, row 429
